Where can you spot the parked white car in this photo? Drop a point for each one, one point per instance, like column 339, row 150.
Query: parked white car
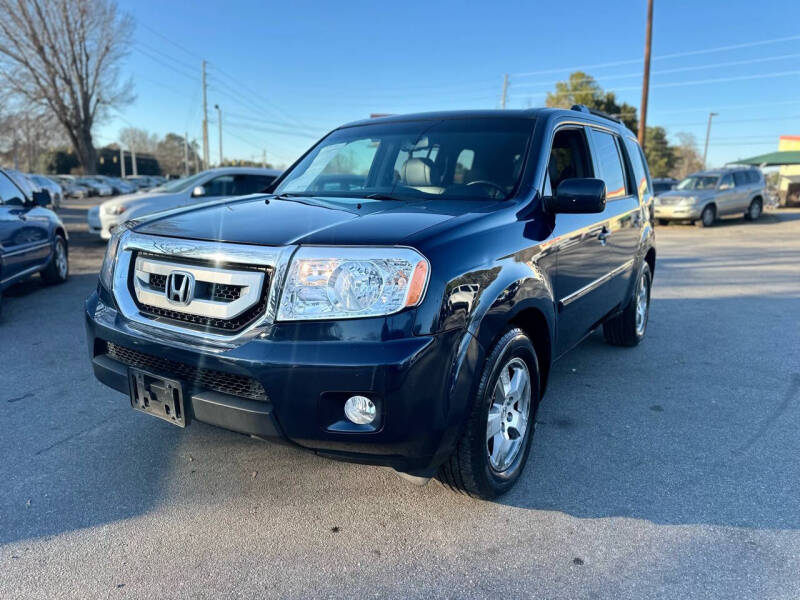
column 214, row 183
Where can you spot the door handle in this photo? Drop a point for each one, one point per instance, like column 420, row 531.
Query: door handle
column 603, row 235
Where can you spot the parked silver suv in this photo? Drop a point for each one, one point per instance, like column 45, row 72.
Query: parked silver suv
column 704, row 197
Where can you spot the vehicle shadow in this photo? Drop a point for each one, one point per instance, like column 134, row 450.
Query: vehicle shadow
column 682, row 429
column 686, row 428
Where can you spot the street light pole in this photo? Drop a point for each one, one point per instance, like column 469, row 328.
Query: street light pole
column 711, row 115
column 219, row 118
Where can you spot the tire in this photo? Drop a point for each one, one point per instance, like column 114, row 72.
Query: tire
column 663, row 222
column 708, row 216
column 626, row 329
column 754, row 210
column 476, row 467
column 57, row 270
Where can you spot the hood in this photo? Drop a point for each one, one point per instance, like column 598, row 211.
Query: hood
column 335, row 221
column 139, row 204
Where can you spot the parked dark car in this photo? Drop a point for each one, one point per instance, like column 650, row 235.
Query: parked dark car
column 409, row 318
column 663, row 184
column 32, row 238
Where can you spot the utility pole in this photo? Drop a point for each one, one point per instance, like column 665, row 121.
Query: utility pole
column 121, row 162
column 205, row 120
column 648, row 39
column 505, row 92
column 133, row 161
column 219, row 118
column 186, row 154
column 711, row 115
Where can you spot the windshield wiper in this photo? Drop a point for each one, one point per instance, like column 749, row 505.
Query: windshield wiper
column 379, row 196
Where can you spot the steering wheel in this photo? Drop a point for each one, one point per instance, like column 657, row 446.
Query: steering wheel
column 488, row 184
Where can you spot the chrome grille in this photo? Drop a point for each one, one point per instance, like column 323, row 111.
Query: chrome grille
column 223, row 298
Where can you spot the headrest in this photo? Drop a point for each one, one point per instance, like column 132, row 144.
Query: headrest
column 420, row 172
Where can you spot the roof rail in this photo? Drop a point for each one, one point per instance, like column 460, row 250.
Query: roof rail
column 598, row 113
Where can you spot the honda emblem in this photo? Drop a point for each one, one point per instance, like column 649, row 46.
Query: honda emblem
column 180, row 288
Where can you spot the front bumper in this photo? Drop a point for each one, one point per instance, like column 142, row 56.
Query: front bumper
column 420, row 396
column 677, row 212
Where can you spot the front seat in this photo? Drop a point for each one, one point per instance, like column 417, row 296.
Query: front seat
column 422, row 174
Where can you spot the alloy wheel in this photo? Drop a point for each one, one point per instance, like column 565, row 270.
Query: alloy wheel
column 642, row 306
column 61, row 259
column 509, row 413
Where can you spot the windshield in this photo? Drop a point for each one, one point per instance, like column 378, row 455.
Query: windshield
column 699, row 182
column 474, row 159
column 179, row 185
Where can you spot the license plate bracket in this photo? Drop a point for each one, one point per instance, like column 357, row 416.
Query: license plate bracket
column 157, row 395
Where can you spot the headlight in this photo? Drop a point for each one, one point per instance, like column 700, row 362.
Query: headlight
column 656, row 200
column 110, row 259
column 114, row 209
column 345, row 283
column 687, row 201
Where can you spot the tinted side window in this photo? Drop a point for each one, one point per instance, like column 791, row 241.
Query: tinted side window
column 643, row 186
column 569, row 158
column 741, row 178
column 755, row 177
column 9, row 193
column 608, row 159
column 726, row 182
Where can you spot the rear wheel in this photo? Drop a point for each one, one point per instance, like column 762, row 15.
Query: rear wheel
column 493, row 449
column 58, row 269
column 628, row 328
column 754, row 210
column 708, row 216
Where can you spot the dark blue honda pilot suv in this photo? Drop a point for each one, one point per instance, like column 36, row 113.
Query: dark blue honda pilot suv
column 397, row 299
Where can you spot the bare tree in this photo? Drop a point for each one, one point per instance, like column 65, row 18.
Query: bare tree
column 687, row 155
column 65, row 55
column 139, row 140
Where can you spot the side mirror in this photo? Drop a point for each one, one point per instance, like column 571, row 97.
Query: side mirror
column 41, row 198
column 198, row 191
column 578, row 196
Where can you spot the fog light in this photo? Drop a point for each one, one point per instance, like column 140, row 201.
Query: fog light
column 359, row 410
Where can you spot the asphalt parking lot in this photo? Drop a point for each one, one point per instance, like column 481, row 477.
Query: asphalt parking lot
column 670, row 470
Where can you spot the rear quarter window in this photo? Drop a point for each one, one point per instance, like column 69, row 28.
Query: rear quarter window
column 644, row 187
column 607, row 157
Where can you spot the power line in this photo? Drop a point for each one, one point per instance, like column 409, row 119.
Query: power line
column 161, row 62
column 668, row 71
column 662, row 56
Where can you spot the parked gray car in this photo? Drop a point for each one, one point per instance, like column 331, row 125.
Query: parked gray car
column 706, row 196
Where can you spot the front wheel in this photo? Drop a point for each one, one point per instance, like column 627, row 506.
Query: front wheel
column 708, row 216
column 493, row 449
column 754, row 210
column 58, row 269
column 628, row 328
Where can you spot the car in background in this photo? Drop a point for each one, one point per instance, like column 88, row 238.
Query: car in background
column 98, row 186
column 207, row 185
column 51, row 187
column 706, row 196
column 71, row 188
column 32, row 238
column 664, row 184
column 144, row 182
column 118, row 185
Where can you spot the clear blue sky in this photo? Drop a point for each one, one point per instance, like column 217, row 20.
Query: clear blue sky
column 285, row 73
